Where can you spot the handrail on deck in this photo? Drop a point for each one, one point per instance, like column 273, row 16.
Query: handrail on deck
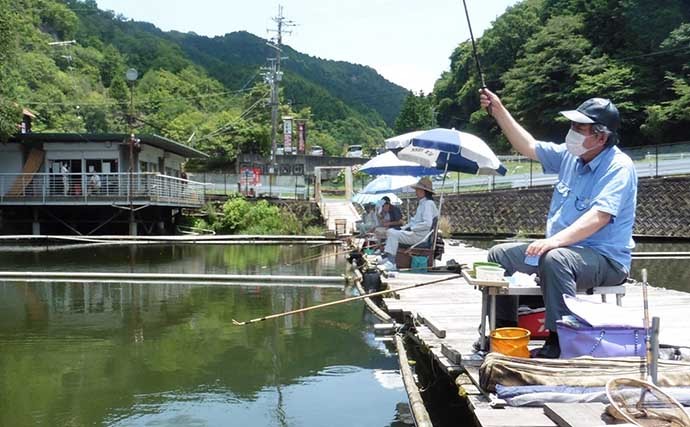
column 99, row 188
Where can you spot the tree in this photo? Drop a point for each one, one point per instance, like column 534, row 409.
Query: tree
column 9, row 110
column 416, row 114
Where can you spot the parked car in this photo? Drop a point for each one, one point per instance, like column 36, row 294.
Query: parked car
column 316, row 151
column 354, row 151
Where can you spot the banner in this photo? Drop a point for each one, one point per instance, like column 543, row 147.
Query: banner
column 287, row 134
column 301, row 133
column 250, row 177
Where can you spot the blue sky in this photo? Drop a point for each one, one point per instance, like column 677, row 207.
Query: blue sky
column 406, row 41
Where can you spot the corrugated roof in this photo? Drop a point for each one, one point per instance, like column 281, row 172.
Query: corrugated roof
column 153, row 140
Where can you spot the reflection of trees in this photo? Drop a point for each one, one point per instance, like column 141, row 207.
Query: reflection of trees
column 101, row 346
column 191, row 258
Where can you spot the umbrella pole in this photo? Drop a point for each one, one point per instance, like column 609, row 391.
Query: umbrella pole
column 440, row 205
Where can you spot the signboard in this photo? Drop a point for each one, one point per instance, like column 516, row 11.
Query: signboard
column 250, row 177
column 301, row 133
column 287, row 134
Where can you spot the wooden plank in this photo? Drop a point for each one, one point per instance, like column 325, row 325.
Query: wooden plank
column 576, row 414
column 432, row 325
column 451, row 354
column 513, row 417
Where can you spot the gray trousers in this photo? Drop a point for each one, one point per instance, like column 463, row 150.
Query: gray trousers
column 561, row 271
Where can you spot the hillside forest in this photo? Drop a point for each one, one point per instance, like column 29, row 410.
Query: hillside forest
column 540, row 56
column 206, row 92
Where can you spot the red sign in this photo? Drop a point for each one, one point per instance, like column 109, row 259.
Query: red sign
column 300, row 136
column 250, row 177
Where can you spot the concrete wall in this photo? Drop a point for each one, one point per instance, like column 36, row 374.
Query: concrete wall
column 663, row 210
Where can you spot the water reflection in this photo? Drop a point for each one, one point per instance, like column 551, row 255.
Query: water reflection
column 168, row 354
column 321, row 260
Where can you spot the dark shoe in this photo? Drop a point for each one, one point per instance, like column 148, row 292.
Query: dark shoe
column 551, row 348
column 477, row 345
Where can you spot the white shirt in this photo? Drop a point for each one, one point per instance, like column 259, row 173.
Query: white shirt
column 423, row 218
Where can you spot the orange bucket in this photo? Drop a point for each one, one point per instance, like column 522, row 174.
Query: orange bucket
column 510, row 341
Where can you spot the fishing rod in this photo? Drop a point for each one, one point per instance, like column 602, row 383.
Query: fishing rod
column 341, row 301
column 476, row 56
column 474, row 47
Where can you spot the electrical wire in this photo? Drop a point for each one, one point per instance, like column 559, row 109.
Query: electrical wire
column 138, row 102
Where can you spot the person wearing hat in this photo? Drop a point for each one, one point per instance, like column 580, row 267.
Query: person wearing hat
column 390, row 216
column 419, row 226
column 588, row 240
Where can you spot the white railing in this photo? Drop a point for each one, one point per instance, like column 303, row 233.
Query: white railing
column 99, row 188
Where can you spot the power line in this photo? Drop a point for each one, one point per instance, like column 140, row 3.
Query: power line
column 140, row 103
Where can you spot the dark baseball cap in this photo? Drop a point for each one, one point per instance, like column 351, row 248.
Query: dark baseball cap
column 596, row 110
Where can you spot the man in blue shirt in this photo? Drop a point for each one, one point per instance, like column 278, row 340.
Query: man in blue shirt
column 589, row 226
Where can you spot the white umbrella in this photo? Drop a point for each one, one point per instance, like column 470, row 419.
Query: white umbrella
column 401, row 141
column 389, row 183
column 451, row 150
column 389, row 164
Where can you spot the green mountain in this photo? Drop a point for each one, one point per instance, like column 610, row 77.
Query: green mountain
column 358, row 87
column 207, row 91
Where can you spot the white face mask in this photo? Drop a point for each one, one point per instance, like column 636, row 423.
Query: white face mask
column 574, row 143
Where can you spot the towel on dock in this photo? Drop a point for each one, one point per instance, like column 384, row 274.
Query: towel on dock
column 578, row 372
column 539, row 395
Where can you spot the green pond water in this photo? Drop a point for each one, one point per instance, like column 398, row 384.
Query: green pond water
column 116, row 354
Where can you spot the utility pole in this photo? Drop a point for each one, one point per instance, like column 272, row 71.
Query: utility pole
column 275, row 76
column 131, row 76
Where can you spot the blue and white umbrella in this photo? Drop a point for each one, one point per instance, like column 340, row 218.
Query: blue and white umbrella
column 389, row 183
column 448, row 149
column 389, row 164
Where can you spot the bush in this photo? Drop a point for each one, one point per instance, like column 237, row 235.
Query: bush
column 243, row 217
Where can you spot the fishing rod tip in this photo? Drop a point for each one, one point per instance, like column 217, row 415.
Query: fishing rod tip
column 236, row 323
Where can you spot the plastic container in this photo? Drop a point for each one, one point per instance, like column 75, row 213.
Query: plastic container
column 489, row 273
column 510, row 341
column 533, row 320
column 483, row 264
column 418, row 264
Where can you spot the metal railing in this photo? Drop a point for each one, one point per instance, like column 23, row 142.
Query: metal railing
column 99, row 188
column 281, row 186
column 650, row 161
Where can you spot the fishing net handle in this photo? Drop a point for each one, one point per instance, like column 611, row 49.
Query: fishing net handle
column 613, row 386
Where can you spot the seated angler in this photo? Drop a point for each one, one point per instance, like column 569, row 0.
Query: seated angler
column 589, row 226
column 389, row 217
column 369, row 220
column 419, row 227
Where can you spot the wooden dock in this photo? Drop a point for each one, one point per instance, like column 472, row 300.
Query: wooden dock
column 447, row 316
